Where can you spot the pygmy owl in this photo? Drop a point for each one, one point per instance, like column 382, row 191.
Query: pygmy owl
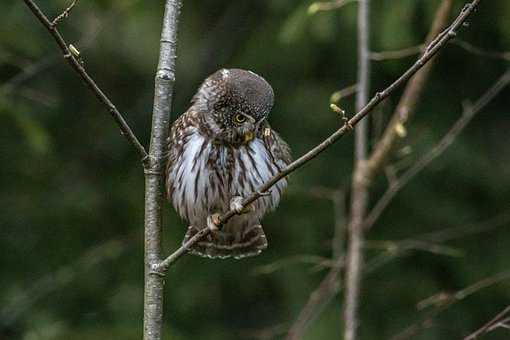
column 221, row 150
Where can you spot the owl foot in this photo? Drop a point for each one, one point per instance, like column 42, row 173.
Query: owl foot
column 236, row 204
column 213, row 222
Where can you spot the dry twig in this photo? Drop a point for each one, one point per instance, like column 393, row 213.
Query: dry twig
column 468, row 114
column 430, row 242
column 328, row 5
column 443, row 300
column 396, row 54
column 500, row 320
column 64, row 14
column 87, row 79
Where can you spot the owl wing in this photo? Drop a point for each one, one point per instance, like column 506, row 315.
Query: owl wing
column 278, row 149
column 177, row 137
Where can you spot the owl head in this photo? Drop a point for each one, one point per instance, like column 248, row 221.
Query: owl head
column 233, row 103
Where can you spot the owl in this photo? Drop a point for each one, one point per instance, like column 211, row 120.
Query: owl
column 221, row 150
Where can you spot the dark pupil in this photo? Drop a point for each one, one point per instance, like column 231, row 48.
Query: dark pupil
column 240, row 118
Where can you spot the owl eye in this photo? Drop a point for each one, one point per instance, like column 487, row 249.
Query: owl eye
column 239, row 118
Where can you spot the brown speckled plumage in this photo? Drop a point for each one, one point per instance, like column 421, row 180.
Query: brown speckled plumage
column 222, row 148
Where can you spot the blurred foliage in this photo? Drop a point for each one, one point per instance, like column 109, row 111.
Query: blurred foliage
column 70, row 183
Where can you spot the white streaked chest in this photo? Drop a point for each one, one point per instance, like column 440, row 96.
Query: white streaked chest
column 205, row 177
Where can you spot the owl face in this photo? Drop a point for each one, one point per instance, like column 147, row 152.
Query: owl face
column 233, row 103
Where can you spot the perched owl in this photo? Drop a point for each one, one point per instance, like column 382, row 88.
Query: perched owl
column 221, row 150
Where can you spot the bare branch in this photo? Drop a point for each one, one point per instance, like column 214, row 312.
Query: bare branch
column 433, row 49
column 481, row 52
column 154, row 179
column 87, row 79
column 328, row 5
column 448, row 234
column 318, row 299
column 359, row 200
column 489, row 326
column 346, row 92
column 430, row 242
column 64, row 14
column 413, row 50
column 17, row 305
column 317, row 261
column 412, row 93
column 468, row 114
column 444, row 300
column 397, row 54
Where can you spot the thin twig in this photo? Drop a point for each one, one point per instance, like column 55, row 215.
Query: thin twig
column 448, row 234
column 317, row 261
column 412, row 93
column 396, row 54
column 443, row 300
column 328, row 5
column 33, row 69
column 394, row 250
column 413, row 50
column 64, row 14
column 346, row 92
column 19, row 304
column 481, row 52
column 317, row 150
column 317, row 300
column 340, row 213
column 468, row 114
column 87, row 79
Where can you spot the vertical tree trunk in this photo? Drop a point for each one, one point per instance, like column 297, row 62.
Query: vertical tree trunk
column 154, row 179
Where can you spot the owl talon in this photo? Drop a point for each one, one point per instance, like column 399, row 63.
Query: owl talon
column 214, row 222
column 236, row 204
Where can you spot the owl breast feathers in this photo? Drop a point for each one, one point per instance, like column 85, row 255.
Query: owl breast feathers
column 222, row 149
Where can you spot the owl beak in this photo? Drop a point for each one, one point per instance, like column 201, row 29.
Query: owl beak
column 249, row 136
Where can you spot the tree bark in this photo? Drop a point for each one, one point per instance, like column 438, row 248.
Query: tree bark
column 154, row 172
column 359, row 201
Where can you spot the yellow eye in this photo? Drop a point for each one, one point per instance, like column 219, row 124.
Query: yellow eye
column 239, row 118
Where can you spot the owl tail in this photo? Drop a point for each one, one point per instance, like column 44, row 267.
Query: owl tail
column 224, row 244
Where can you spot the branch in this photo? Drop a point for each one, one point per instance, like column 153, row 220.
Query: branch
column 443, row 300
column 64, row 14
column 430, row 242
column 346, row 92
column 396, row 54
column 469, row 113
column 360, row 193
column 430, row 52
column 19, row 304
column 74, row 61
column 409, row 51
column 489, row 326
column 154, row 179
column 409, row 101
column 328, row 5
column 481, row 52
column 317, row 300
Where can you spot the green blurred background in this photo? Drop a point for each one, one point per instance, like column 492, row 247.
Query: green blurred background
column 71, row 225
